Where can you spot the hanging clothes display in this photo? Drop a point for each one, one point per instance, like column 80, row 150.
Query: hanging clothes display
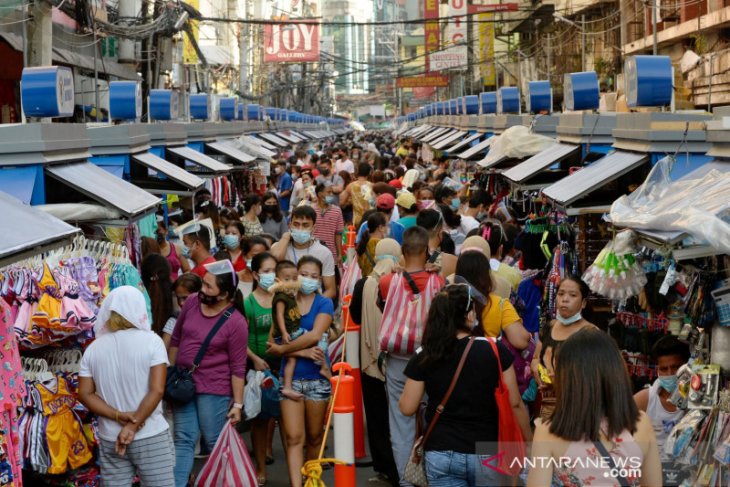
column 12, row 392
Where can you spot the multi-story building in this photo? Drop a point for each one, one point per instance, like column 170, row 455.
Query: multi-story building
column 353, row 44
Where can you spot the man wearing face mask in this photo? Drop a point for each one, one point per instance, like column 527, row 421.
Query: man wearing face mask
column 284, row 186
column 670, row 354
column 299, row 241
column 327, row 175
column 196, row 239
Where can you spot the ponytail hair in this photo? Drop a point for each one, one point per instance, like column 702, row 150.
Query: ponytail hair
column 374, row 221
column 446, row 317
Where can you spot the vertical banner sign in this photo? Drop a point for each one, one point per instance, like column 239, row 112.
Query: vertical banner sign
column 486, row 48
column 431, row 30
column 190, row 56
column 455, row 34
column 297, row 42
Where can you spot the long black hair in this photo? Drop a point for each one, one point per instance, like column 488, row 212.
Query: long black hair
column 375, row 220
column 446, row 317
column 275, row 214
column 474, row 267
column 155, row 273
column 256, row 263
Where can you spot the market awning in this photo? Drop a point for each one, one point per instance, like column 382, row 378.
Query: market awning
column 230, row 151
column 299, row 134
column 274, row 139
column 539, row 162
column 417, row 130
column 464, row 142
column 26, row 229
column 443, row 136
column 186, row 182
column 264, row 143
column 437, row 135
column 109, row 190
column 477, row 149
column 198, row 158
column 432, row 131
column 593, row 176
column 287, row 137
column 443, row 142
column 251, row 145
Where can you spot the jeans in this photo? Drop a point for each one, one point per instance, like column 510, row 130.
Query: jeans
column 452, row 469
column 205, row 414
column 402, row 428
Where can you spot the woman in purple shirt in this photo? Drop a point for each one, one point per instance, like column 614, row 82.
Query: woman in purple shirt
column 219, row 379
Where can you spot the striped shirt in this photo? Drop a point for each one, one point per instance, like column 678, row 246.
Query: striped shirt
column 329, row 226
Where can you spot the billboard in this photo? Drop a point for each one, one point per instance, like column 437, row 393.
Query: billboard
column 455, row 34
column 294, row 42
column 423, row 81
column 190, row 55
column 431, row 30
column 486, row 49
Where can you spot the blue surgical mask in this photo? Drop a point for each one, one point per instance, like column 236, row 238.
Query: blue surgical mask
column 308, row 285
column 568, row 321
column 455, row 204
column 387, row 256
column 331, row 200
column 668, row 382
column 186, row 251
column 301, row 236
column 231, row 242
column 267, row 280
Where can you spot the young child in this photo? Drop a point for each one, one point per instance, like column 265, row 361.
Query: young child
column 286, row 318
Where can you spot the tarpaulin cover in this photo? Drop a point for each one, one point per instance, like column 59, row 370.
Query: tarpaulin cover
column 698, row 204
column 518, row 142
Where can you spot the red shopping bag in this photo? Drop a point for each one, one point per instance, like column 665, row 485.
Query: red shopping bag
column 350, row 276
column 228, row 464
column 405, row 313
column 511, row 441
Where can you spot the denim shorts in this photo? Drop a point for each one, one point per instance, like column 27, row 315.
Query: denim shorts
column 313, row 389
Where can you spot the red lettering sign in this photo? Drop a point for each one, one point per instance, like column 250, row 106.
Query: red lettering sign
column 296, row 42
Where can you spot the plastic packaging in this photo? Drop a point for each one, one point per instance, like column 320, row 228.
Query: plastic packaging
column 694, row 205
column 252, row 394
column 519, row 142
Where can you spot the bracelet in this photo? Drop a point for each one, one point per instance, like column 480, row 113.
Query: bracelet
column 116, row 416
column 237, row 405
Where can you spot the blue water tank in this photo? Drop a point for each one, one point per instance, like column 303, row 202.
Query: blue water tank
column 200, row 106
column 648, row 81
column 539, row 97
column 581, row 91
column 164, row 104
column 47, row 91
column 508, row 100
column 227, row 109
column 125, row 100
column 488, row 102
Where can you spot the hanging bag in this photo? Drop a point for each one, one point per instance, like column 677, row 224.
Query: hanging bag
column 510, row 439
column 229, row 464
column 405, row 314
column 179, row 385
column 415, row 471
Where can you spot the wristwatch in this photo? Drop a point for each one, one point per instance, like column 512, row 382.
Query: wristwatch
column 237, row 405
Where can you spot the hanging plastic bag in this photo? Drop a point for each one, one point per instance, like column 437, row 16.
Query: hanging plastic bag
column 270, row 395
column 228, row 464
column 252, row 394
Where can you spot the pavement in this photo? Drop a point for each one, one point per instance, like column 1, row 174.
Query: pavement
column 277, row 472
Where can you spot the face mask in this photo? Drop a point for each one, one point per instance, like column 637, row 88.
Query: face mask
column 301, row 236
column 455, row 204
column 270, row 208
column 425, row 204
column 481, row 215
column 231, row 241
column 324, row 172
column 308, row 285
column 331, row 200
column 160, row 238
column 389, row 257
column 248, row 263
column 267, row 280
column 568, row 321
column 278, row 170
column 186, row 252
column 207, row 299
column 307, row 185
column 668, row 382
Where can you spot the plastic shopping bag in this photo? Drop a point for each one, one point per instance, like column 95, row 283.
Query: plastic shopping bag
column 252, row 394
column 270, row 395
column 228, row 464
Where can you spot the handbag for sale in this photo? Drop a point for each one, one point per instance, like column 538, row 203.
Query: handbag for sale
column 415, row 471
column 510, row 439
column 179, row 385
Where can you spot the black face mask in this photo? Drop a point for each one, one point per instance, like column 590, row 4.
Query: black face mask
column 324, row 172
column 270, row 208
column 207, row 299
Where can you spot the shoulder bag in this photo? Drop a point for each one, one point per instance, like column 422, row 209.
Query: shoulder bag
column 623, row 481
column 179, row 385
column 415, row 471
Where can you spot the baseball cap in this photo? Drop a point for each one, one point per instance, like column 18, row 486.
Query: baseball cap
column 396, row 183
column 385, row 202
column 405, row 199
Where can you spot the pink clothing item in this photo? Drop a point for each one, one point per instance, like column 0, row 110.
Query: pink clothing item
column 226, row 355
column 174, row 261
column 587, row 462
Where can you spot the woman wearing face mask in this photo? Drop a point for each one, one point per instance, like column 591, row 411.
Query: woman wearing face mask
column 271, row 218
column 375, row 232
column 447, row 196
column 303, row 420
column 220, row 377
column 570, row 301
column 235, row 232
column 253, row 207
column 251, row 247
column 171, row 252
column 257, row 308
column 330, row 224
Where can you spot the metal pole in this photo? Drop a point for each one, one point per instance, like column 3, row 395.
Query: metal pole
column 709, row 84
column 654, row 7
column 583, row 43
column 549, row 59
column 96, row 80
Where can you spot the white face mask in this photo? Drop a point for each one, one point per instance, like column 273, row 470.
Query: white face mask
column 569, row 321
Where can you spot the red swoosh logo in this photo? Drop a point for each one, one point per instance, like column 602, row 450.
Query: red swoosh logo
column 487, row 463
